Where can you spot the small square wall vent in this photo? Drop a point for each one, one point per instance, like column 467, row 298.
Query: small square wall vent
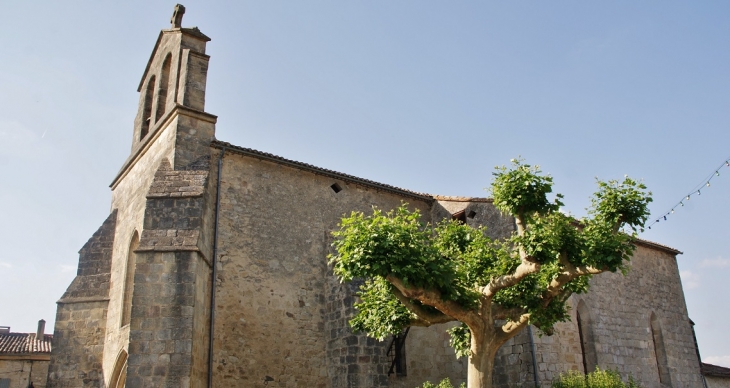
column 336, row 187
column 472, row 214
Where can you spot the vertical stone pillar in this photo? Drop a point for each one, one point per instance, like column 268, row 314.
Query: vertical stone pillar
column 162, row 329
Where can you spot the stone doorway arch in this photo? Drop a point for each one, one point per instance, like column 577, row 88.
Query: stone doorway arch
column 119, row 373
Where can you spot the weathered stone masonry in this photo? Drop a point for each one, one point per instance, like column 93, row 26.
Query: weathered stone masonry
column 169, row 273
column 281, row 315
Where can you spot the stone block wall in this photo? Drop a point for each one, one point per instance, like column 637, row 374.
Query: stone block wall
column 352, row 359
column 621, row 308
column 429, row 357
column 718, row 382
column 194, row 69
column 281, row 316
column 513, row 365
column 21, row 372
column 558, row 353
column 616, row 321
column 195, row 131
column 162, row 330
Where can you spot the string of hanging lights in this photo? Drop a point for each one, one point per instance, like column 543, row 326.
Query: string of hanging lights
column 696, row 191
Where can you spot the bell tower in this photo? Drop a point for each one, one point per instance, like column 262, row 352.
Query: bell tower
column 174, row 80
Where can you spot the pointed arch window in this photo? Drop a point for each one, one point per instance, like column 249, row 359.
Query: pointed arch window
column 147, row 108
column 659, row 350
column 587, row 341
column 129, row 280
column 163, row 87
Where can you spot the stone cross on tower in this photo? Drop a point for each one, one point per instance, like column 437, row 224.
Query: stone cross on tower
column 176, row 20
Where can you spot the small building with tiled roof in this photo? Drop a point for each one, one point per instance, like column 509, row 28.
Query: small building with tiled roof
column 716, row 376
column 24, row 357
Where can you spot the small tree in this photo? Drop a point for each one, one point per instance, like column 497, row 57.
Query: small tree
column 422, row 275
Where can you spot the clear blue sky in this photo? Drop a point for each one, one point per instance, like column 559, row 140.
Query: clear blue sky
column 428, row 96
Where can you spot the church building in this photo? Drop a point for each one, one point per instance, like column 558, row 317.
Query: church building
column 211, row 271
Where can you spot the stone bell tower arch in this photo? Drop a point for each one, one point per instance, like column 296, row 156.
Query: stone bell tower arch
column 174, row 82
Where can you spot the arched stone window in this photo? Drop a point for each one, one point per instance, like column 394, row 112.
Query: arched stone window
column 659, row 350
column 147, row 108
column 163, row 87
column 587, row 340
column 129, row 280
column 119, row 373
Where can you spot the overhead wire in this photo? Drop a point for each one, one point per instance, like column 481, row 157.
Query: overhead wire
column 697, row 190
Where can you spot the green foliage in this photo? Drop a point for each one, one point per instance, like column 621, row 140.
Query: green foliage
column 523, row 190
column 458, row 260
column 445, row 383
column 623, row 202
column 393, row 243
column 379, row 312
column 596, row 379
column 460, row 340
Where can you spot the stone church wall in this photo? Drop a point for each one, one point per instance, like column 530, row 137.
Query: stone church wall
column 618, row 325
column 281, row 316
column 718, row 382
column 621, row 308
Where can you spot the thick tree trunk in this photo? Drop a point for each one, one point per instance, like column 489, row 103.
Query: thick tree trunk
column 481, row 364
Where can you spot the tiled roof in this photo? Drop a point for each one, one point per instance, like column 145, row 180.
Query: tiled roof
column 714, row 370
column 452, row 198
column 24, row 343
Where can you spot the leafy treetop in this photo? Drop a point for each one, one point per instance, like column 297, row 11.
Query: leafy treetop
column 419, row 274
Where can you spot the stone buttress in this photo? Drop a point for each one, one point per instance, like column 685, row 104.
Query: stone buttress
column 76, row 358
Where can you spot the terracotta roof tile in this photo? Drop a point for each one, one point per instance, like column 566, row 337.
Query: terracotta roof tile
column 461, row 199
column 24, row 343
column 714, row 370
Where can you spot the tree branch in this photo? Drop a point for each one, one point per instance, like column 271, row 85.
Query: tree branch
column 527, row 266
column 419, row 322
column 511, row 328
column 425, row 317
column 433, row 298
column 523, row 270
column 570, row 272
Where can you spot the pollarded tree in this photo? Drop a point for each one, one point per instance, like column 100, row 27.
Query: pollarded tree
column 421, row 275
